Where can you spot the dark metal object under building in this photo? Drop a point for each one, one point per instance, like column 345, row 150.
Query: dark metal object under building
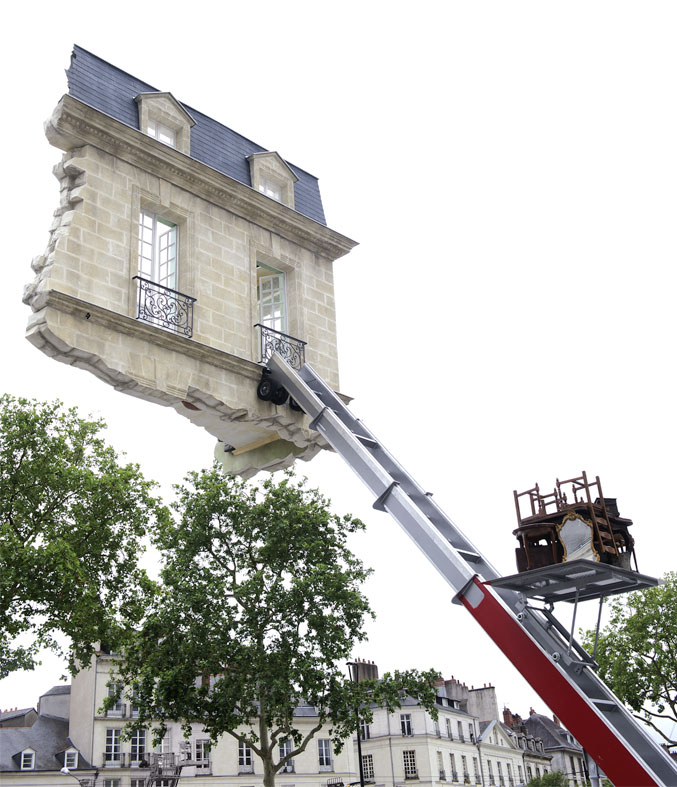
column 573, row 522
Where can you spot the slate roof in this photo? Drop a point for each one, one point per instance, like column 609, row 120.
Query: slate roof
column 552, row 735
column 57, row 690
column 48, row 737
column 12, row 714
column 112, row 91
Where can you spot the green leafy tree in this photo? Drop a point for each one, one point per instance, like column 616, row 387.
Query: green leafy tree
column 259, row 607
column 71, row 523
column 552, row 779
column 637, row 653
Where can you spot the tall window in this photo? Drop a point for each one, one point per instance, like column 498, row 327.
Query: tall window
column 464, row 762
column 272, row 298
column 117, row 710
column 157, row 249
column 491, row 772
column 449, row 735
column 112, row 753
column 476, row 768
column 440, row 766
column 202, row 752
column 245, row 762
column 454, row 772
column 511, row 781
column 138, row 746
column 520, row 773
column 471, row 733
column 461, row 736
column 286, row 749
column 324, row 754
column 368, row 766
column 409, row 759
column 365, row 732
column 500, row 773
column 405, row 724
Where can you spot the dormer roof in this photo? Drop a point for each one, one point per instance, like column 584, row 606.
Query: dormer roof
column 112, row 91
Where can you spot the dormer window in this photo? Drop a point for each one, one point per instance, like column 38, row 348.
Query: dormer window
column 162, row 133
column 270, row 188
column 70, row 759
column 162, row 117
column 27, row 760
column 272, row 176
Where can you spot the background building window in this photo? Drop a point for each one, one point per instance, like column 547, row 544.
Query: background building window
column 365, row 732
column 368, row 766
column 202, row 752
column 27, row 760
column 286, row 749
column 454, row 773
column 324, row 753
column 138, row 746
column 70, row 759
column 112, row 753
column 409, row 759
column 405, row 724
column 245, row 762
column 449, row 735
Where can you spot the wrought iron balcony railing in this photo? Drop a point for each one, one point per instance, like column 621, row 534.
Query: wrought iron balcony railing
column 170, row 309
column 292, row 350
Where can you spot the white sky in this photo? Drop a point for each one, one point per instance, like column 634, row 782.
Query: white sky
column 510, row 171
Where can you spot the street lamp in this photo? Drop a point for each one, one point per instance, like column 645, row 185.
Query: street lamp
column 86, row 782
column 352, row 671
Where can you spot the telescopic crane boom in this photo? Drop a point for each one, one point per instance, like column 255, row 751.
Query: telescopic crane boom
column 558, row 669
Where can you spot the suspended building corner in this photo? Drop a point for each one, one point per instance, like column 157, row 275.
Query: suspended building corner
column 180, row 257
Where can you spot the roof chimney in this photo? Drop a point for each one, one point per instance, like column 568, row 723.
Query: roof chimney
column 531, row 711
column 556, row 720
column 507, row 717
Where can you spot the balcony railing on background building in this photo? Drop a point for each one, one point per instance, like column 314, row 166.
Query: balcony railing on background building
column 292, row 350
column 170, row 309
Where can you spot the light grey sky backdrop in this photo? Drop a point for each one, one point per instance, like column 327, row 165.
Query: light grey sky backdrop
column 510, row 171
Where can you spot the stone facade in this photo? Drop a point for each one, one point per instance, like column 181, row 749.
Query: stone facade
column 104, row 756
column 85, row 298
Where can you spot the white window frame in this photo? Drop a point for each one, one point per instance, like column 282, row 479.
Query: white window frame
column 158, row 249
column 162, row 133
column 271, row 188
column 271, row 292
column 285, row 748
column 113, row 752
column 409, row 763
column 137, row 747
column 111, row 783
column 118, row 710
column 245, row 759
column 70, row 759
column 324, row 755
column 365, row 731
column 28, row 760
column 368, row 766
column 202, row 750
column 406, row 725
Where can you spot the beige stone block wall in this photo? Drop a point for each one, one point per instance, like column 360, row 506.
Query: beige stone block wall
column 84, row 295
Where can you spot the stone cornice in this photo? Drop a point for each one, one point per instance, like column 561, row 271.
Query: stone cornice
column 74, row 124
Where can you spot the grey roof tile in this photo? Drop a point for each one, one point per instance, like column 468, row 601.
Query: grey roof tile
column 112, row 91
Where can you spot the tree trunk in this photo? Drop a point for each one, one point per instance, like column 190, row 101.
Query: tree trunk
column 268, row 771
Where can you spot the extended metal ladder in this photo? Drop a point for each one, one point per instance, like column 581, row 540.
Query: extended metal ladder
column 559, row 670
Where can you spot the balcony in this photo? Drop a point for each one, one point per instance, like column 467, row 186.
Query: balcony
column 116, row 712
column 454, row 776
column 443, row 776
column 166, row 308
column 246, row 768
column 411, row 775
column 292, row 350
